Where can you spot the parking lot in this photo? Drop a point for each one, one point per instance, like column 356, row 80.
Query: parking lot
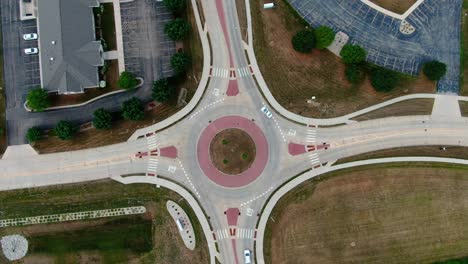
column 30, row 62
column 147, row 50
column 437, row 34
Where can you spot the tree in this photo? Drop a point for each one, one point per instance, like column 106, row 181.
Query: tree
column 34, row 134
column 384, row 80
column 324, row 36
column 434, row 70
column 353, row 54
column 65, row 130
column 354, row 73
column 38, row 99
column 102, row 119
column 162, row 90
column 180, row 62
column 177, row 29
column 133, row 109
column 175, row 6
column 304, row 41
column 127, row 81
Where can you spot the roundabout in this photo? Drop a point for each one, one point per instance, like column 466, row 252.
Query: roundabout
column 232, row 151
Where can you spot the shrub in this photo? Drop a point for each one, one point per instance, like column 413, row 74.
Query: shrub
column 353, row 54
column 177, row 29
column 180, row 62
column 34, row 134
column 127, row 81
column 38, row 99
column 354, row 73
column 384, row 80
column 162, row 90
column 65, row 130
column 102, row 119
column 175, row 6
column 133, row 109
column 304, row 41
column 324, row 36
column 434, row 70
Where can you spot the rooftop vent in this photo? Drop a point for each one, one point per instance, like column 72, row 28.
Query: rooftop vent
column 53, row 42
column 51, row 58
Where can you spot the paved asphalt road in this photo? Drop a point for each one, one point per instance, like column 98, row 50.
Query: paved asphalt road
column 237, row 233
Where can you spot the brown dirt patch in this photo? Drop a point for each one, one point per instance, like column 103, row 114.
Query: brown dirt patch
column 232, row 151
column 396, row 6
column 293, row 77
column 411, row 214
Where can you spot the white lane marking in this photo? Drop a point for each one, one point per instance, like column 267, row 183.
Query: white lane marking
column 291, row 132
column 256, row 197
column 279, row 128
column 216, row 92
column 205, row 107
column 188, row 179
column 250, row 211
column 171, row 169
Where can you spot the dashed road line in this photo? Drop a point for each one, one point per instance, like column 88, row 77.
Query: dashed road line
column 205, row 107
column 188, row 179
column 257, row 197
column 279, row 128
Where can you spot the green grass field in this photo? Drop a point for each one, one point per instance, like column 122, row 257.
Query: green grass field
column 391, row 213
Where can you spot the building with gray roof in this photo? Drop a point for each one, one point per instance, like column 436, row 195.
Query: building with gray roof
column 69, row 53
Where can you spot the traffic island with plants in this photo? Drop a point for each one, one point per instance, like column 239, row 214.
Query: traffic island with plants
column 232, row 151
column 294, row 77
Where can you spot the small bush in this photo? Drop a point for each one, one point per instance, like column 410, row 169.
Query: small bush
column 38, row 99
column 352, row 54
column 65, row 130
column 384, row 80
column 304, row 41
column 34, row 134
column 354, row 73
column 127, row 81
column 325, row 37
column 133, row 109
column 177, row 29
column 175, row 6
column 102, row 119
column 434, row 70
column 162, row 90
column 180, row 62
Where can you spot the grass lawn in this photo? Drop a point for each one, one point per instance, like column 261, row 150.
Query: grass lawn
column 396, row 6
column 149, row 238
column 405, row 108
column 432, row 151
column 464, row 50
column 463, row 108
column 293, row 78
column 393, row 213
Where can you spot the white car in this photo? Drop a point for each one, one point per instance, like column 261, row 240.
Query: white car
column 30, row 51
column 266, row 112
column 247, row 258
column 30, row 36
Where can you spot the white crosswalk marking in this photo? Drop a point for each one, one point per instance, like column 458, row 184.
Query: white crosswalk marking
column 152, row 142
column 219, row 72
column 152, row 165
column 241, row 233
column 314, row 158
column 242, row 72
column 310, row 136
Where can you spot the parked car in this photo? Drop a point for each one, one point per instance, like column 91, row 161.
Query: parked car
column 30, row 51
column 247, row 258
column 267, row 112
column 30, row 36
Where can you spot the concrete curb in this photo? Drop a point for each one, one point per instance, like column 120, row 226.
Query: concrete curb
column 142, row 82
column 276, row 196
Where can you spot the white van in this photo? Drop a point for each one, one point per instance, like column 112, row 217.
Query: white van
column 247, row 258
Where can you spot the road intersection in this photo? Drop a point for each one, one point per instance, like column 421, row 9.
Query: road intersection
column 168, row 154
